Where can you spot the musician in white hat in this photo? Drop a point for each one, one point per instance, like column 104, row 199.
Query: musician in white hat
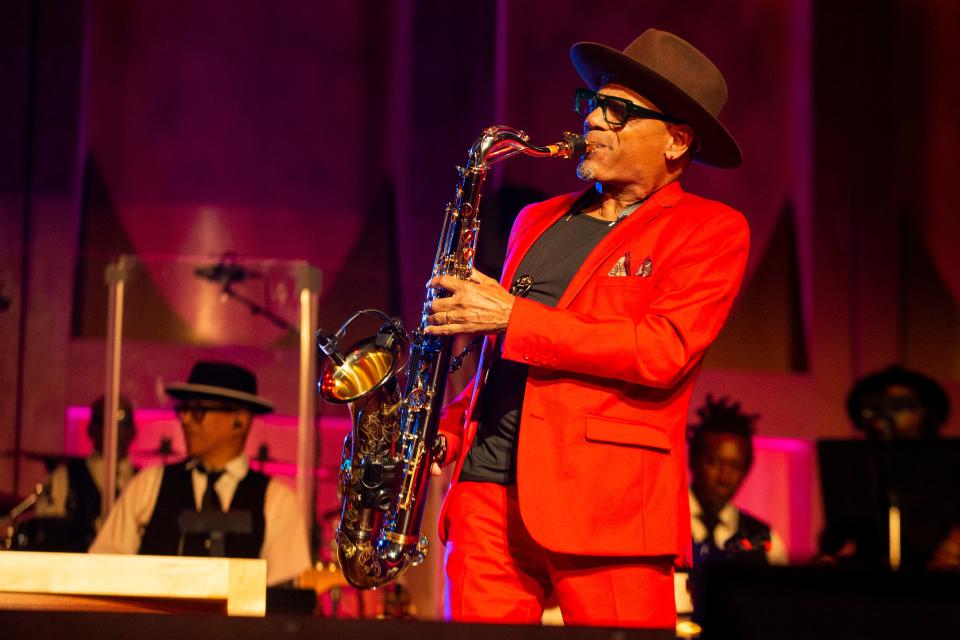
column 216, row 407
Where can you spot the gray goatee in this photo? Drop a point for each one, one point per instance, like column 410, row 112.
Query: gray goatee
column 584, row 172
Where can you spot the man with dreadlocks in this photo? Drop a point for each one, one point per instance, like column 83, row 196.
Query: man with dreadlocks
column 721, row 453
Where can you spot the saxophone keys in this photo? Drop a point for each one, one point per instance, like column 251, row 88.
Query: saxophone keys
column 423, row 546
column 415, row 401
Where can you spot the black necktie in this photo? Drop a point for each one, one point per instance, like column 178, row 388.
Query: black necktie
column 710, row 542
column 211, row 501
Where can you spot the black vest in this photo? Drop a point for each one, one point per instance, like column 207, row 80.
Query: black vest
column 162, row 536
column 83, row 500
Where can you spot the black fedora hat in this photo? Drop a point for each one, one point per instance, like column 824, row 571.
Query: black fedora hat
column 676, row 76
column 222, row 381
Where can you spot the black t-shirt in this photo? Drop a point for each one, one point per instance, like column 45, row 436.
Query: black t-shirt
column 552, row 262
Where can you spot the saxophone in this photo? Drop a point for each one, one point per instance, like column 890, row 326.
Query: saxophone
column 386, row 457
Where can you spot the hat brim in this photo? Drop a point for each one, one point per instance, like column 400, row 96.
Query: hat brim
column 256, row 404
column 931, row 393
column 596, row 62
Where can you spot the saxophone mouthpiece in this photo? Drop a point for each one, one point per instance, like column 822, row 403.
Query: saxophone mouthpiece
column 573, row 145
column 578, row 144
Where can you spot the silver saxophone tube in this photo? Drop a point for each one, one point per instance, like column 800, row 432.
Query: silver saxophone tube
column 386, row 458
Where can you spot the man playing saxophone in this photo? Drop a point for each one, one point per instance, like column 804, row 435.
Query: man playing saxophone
column 569, row 447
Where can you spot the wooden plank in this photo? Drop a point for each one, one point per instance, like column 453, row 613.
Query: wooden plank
column 108, row 604
column 241, row 583
column 247, row 588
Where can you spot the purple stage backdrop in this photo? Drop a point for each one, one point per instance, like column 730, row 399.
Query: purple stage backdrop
column 328, row 133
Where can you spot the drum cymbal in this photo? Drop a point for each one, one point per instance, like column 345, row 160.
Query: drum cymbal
column 163, row 450
column 263, row 455
column 263, row 461
column 284, row 468
column 40, row 456
column 48, row 458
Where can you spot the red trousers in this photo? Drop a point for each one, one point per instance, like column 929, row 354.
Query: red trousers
column 496, row 572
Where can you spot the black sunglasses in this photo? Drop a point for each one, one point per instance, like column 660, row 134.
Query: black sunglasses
column 199, row 410
column 616, row 111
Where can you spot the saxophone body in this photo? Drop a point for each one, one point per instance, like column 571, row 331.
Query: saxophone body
column 386, row 458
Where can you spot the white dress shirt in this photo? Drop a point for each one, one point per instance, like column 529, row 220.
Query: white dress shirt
column 285, row 546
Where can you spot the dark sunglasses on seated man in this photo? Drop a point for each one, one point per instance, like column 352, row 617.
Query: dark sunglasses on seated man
column 198, row 410
column 616, row 111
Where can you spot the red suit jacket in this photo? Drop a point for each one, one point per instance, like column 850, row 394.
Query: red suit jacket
column 601, row 458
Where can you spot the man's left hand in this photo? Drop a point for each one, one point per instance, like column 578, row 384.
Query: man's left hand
column 476, row 305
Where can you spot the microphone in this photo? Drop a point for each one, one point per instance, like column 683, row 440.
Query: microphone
column 226, row 273
column 329, row 343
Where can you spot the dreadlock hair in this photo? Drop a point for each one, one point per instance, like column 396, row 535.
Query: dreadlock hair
column 721, row 416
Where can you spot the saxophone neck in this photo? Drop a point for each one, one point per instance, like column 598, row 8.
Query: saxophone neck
column 500, row 142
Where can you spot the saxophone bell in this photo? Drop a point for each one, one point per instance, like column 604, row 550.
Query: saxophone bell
column 367, row 365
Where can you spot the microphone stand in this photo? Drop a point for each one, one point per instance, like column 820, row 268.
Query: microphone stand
column 256, row 308
column 24, row 504
column 226, row 271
